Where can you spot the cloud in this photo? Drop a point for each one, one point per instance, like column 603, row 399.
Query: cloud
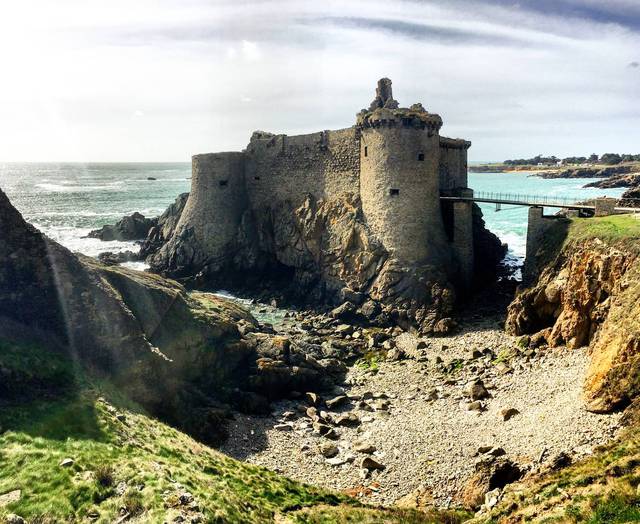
column 517, row 77
column 426, row 31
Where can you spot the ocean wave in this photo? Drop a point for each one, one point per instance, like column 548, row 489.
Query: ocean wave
column 62, row 187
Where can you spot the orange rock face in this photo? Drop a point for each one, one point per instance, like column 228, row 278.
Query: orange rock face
column 589, row 295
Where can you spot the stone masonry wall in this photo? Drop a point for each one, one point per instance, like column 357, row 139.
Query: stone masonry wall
column 453, row 164
column 283, row 168
column 214, row 208
column 400, row 192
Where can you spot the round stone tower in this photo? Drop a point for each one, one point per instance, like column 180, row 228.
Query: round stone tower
column 209, row 223
column 399, row 178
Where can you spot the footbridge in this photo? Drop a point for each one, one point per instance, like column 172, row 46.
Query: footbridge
column 460, row 209
column 598, row 206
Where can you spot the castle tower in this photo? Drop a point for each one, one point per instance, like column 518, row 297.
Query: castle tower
column 399, row 178
column 214, row 208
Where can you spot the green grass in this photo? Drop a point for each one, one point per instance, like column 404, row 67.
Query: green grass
column 616, row 509
column 609, row 229
column 150, row 458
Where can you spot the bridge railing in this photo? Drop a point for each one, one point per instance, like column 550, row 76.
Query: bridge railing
column 528, row 199
column 525, row 199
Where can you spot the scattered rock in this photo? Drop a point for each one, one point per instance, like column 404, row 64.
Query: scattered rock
column 348, row 419
column 328, row 449
column 508, row 413
column 503, row 368
column 12, row 518
column 336, row 401
column 475, row 390
column 312, row 398
column 475, row 405
column 283, row 427
column 371, row 464
column 364, row 447
column 66, row 463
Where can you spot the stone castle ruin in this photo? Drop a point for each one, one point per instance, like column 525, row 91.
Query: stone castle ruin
column 348, row 216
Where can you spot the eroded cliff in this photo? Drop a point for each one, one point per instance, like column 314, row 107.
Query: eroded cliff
column 588, row 294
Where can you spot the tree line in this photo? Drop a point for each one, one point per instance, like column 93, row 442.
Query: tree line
column 606, row 159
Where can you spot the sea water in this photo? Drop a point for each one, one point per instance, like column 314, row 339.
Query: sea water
column 66, row 201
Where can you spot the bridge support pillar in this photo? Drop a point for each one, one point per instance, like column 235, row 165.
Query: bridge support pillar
column 605, row 206
column 463, row 237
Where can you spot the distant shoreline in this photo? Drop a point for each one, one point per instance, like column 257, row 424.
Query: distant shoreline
column 564, row 171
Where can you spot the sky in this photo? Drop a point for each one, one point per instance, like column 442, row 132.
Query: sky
column 160, row 80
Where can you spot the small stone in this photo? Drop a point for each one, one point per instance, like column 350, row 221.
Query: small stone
column 475, row 405
column 371, row 464
column 344, row 329
column 394, row 354
column 10, row 497
column 312, row 398
column 328, row 449
column 12, row 518
column 66, row 463
column 491, row 498
column 312, row 413
column 476, row 390
column 348, row 419
column 283, row 427
column 336, row 401
column 336, row 461
column 508, row 413
column 496, row 452
column 475, row 353
column 185, row 498
column 503, row 368
column 364, row 447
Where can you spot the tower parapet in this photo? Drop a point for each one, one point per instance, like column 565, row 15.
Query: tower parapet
column 399, row 178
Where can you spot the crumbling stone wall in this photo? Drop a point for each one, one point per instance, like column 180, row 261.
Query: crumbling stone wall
column 453, row 164
column 281, row 168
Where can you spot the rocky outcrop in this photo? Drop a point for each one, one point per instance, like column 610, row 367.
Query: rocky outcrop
column 181, row 355
column 589, row 172
column 132, row 227
column 488, row 250
column 163, row 227
column 318, row 253
column 631, row 180
column 587, row 294
column 153, row 231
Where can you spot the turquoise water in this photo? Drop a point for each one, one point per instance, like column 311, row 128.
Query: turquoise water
column 66, row 201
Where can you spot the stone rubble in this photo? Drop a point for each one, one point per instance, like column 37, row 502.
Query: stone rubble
column 399, row 423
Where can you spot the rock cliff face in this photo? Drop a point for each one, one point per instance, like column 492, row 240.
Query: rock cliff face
column 322, row 252
column 588, row 294
column 180, row 354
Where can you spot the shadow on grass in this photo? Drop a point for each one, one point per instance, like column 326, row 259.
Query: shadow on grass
column 71, row 416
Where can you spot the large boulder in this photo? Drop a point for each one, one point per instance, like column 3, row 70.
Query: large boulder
column 131, row 227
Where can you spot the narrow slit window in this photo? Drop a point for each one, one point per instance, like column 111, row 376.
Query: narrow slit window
column 420, row 157
column 366, row 151
column 394, row 192
column 223, row 183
